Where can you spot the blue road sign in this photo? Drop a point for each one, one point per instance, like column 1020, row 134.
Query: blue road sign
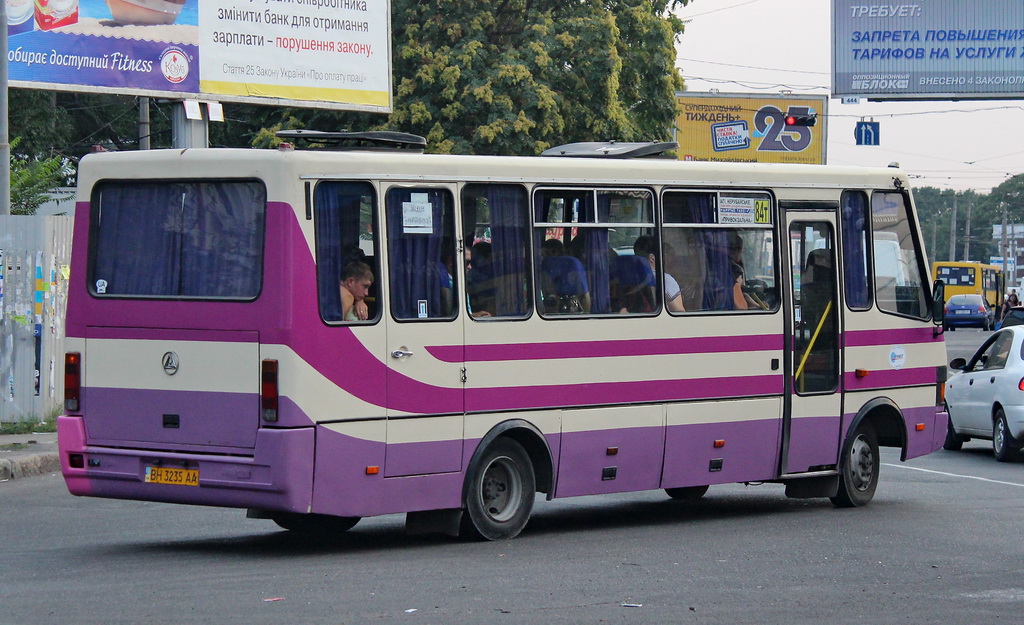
column 866, row 133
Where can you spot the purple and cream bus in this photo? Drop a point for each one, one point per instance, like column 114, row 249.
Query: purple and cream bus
column 574, row 324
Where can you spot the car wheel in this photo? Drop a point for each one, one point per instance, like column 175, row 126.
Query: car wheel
column 686, row 493
column 858, row 469
column 500, row 492
column 1003, row 446
column 952, row 442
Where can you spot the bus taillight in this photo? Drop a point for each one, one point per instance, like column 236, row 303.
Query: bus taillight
column 72, row 381
column 268, row 390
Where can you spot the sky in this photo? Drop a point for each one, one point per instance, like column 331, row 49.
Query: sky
column 765, row 46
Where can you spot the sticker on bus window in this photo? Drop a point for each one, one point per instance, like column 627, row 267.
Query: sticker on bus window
column 101, row 286
column 737, row 210
column 421, row 309
column 417, row 216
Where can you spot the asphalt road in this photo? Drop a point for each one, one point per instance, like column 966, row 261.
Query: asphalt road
column 940, row 543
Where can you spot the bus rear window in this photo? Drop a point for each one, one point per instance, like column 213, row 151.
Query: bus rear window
column 180, row 238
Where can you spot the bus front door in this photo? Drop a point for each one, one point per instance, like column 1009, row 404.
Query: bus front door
column 425, row 392
column 813, row 413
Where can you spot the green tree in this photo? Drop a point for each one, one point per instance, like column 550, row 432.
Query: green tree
column 518, row 76
column 34, row 180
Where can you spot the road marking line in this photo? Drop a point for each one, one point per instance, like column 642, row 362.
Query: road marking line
column 966, row 477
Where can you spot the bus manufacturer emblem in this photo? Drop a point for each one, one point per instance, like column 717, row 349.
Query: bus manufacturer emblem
column 170, row 362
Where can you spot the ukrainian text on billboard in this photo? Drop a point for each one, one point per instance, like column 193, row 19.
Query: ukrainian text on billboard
column 332, row 52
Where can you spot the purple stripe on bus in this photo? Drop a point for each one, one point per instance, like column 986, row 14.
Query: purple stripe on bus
column 605, row 349
column 566, row 395
column 749, row 453
column 865, row 338
column 148, row 416
column 813, row 442
column 889, row 378
column 278, row 477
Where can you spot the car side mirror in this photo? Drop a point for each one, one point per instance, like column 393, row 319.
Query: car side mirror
column 958, row 364
column 938, row 302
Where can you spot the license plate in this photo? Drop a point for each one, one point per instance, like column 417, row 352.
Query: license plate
column 963, row 312
column 168, row 475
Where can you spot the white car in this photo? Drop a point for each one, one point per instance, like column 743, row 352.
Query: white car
column 985, row 398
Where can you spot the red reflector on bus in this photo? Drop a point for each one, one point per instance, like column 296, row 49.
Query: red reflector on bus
column 611, row 451
column 76, row 461
column 72, row 381
column 268, row 390
column 372, row 470
column 719, row 443
column 919, row 427
column 862, row 373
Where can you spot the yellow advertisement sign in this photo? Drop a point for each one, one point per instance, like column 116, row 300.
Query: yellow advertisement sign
column 750, row 128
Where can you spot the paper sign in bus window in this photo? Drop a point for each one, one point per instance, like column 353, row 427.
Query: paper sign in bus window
column 736, row 210
column 730, row 136
column 417, row 215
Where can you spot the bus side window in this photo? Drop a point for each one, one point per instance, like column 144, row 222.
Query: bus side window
column 855, row 230
column 345, row 233
column 495, row 223
column 899, row 287
column 721, row 262
column 421, row 239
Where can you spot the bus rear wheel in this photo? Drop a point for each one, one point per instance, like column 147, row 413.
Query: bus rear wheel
column 500, row 492
column 858, row 469
column 323, row 524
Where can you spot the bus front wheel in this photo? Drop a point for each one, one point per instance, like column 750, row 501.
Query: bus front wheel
column 858, row 469
column 500, row 492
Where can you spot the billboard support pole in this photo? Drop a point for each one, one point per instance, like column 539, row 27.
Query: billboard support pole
column 187, row 132
column 5, row 139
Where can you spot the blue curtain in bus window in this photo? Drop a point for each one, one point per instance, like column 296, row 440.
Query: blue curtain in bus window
column 222, row 238
column 180, row 239
column 508, row 239
column 415, row 231
column 595, row 251
column 137, row 250
column 337, row 238
column 855, row 261
column 719, row 278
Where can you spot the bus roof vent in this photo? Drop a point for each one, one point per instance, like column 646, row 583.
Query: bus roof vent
column 611, row 149
column 371, row 140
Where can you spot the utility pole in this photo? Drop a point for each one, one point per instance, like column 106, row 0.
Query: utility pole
column 952, row 233
column 967, row 233
column 5, row 138
column 1002, row 242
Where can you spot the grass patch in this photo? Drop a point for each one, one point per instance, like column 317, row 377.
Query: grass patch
column 29, row 427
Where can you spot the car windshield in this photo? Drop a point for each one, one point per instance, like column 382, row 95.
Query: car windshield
column 965, row 300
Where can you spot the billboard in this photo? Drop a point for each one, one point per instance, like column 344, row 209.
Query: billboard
column 931, row 49
column 317, row 53
column 750, row 128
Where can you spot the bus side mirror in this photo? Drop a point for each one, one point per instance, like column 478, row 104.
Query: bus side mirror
column 938, row 302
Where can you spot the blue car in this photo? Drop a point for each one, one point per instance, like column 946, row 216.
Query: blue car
column 969, row 311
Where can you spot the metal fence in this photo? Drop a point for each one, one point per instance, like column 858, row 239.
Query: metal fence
column 35, row 257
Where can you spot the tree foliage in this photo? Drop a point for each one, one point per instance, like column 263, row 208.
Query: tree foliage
column 34, row 180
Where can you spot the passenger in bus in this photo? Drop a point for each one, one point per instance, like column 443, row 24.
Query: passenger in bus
column 564, row 285
column 742, row 300
column 480, row 280
column 356, row 280
column 646, row 246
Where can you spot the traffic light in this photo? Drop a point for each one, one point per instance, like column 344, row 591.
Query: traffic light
column 801, row 120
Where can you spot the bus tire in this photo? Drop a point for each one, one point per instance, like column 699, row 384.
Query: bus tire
column 858, row 468
column 686, row 493
column 500, row 491
column 323, row 524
